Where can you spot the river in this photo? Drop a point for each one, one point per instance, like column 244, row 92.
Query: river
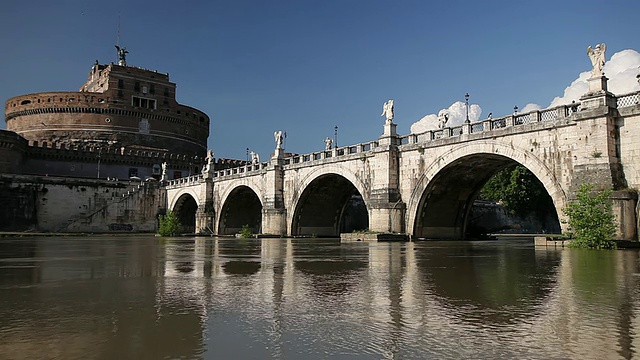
column 144, row 297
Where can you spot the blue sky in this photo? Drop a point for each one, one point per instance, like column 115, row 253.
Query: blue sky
column 306, row 66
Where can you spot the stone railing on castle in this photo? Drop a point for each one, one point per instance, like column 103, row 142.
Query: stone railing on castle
column 90, row 152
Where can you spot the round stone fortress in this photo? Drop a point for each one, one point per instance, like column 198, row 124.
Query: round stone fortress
column 118, row 107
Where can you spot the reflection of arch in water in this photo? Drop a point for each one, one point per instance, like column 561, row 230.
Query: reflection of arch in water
column 339, row 270
column 510, row 278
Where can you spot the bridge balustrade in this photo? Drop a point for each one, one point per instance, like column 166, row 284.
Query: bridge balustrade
column 628, row 100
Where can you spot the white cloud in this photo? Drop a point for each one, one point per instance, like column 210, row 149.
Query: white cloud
column 621, row 69
column 530, row 107
column 457, row 115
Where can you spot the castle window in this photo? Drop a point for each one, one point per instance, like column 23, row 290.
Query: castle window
column 137, row 86
column 144, row 90
column 152, row 89
column 120, row 83
column 143, row 102
column 25, row 102
column 166, row 91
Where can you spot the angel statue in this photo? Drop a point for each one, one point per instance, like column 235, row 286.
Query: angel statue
column 122, row 55
column 255, row 158
column 278, row 138
column 597, row 57
column 387, row 111
column 443, row 118
column 209, row 161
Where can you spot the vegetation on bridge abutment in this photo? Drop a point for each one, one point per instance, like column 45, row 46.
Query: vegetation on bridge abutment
column 591, row 220
column 169, row 225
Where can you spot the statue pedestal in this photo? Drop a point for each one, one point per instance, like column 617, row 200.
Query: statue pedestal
column 389, row 129
column 597, row 95
column 597, row 85
column 278, row 154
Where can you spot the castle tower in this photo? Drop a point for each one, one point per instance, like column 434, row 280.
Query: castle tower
column 118, row 106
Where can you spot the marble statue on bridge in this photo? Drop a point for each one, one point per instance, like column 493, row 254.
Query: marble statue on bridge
column 387, row 111
column 443, row 118
column 209, row 162
column 163, row 177
column 278, row 138
column 597, row 56
column 255, row 158
column 327, row 143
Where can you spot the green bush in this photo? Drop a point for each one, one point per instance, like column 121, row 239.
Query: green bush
column 169, row 225
column 246, row 232
column 591, row 219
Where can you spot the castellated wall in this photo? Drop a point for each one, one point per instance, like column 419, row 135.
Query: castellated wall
column 12, row 149
column 83, row 117
column 53, row 204
column 91, row 161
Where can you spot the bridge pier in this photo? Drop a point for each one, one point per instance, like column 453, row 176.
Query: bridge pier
column 386, row 208
column 274, row 214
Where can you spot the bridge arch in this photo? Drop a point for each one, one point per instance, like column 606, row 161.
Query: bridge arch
column 185, row 206
column 327, row 201
column 462, row 171
column 241, row 204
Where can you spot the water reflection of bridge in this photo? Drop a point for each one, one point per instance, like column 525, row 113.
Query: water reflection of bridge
column 407, row 291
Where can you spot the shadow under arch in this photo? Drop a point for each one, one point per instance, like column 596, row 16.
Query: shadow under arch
column 185, row 210
column 241, row 207
column 329, row 205
column 445, row 202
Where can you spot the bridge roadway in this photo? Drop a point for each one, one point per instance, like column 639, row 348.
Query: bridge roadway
column 425, row 184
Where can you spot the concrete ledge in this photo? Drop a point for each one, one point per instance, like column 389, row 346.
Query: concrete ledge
column 550, row 242
column 371, row 237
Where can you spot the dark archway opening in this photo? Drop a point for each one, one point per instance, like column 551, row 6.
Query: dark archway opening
column 330, row 205
column 185, row 211
column 242, row 207
column 450, row 207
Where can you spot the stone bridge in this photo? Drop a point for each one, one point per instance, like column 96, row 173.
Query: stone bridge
column 425, row 184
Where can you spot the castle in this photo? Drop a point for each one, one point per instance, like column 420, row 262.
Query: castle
column 123, row 122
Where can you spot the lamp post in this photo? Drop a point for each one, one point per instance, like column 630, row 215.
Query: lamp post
column 335, row 137
column 466, row 101
column 515, row 110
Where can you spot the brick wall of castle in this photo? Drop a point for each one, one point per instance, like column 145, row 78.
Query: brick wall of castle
column 128, row 106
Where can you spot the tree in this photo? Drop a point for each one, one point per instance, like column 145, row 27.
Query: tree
column 169, row 224
column 246, row 232
column 591, row 219
column 519, row 191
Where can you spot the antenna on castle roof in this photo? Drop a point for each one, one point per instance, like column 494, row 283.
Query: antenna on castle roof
column 122, row 52
column 118, row 36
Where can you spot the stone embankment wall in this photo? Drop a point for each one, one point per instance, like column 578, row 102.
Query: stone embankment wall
column 53, row 204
